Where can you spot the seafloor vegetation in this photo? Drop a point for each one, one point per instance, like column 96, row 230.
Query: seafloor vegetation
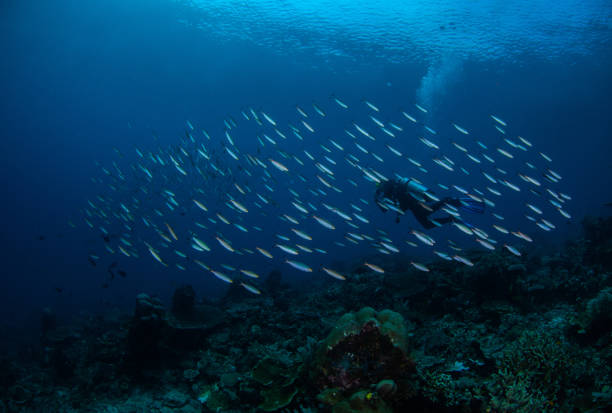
column 510, row 334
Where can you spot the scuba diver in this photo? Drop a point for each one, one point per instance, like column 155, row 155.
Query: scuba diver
column 402, row 194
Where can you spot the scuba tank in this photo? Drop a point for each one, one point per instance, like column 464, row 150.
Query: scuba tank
column 414, row 185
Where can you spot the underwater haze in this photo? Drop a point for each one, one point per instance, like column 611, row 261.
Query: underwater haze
column 150, row 145
column 83, row 78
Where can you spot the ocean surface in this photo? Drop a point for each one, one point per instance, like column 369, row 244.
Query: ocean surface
column 87, row 84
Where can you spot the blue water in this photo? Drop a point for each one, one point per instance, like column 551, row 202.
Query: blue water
column 84, row 80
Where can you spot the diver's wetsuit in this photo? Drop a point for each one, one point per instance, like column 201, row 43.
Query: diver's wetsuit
column 399, row 193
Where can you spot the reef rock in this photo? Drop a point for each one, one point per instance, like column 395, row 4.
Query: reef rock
column 146, row 330
column 183, row 302
column 598, row 233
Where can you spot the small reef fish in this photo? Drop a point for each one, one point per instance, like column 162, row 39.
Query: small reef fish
column 334, row 274
column 222, row 276
column 374, row 268
column 264, row 252
column 249, row 273
column 156, row 256
column 463, row 260
column 299, row 265
column 512, row 250
column 250, row 288
column 419, row 267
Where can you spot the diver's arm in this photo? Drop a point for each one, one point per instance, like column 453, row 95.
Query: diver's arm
column 377, row 198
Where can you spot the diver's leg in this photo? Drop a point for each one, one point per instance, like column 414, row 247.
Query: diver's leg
column 450, row 201
column 445, row 220
column 424, row 220
column 437, row 205
column 437, row 222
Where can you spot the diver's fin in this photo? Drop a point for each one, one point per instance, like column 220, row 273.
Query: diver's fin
column 471, row 205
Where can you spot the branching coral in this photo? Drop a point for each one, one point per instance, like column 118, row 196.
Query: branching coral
column 534, row 373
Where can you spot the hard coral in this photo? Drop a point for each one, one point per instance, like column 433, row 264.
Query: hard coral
column 535, row 373
column 390, row 323
column 362, row 350
column 279, row 381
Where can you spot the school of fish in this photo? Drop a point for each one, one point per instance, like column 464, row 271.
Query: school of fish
column 200, row 200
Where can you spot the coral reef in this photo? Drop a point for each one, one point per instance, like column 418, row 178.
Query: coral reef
column 365, row 350
column 598, row 236
column 278, row 380
column 594, row 323
column 511, row 334
column 183, row 303
column 534, row 372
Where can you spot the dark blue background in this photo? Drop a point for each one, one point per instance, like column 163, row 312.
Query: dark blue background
column 75, row 74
